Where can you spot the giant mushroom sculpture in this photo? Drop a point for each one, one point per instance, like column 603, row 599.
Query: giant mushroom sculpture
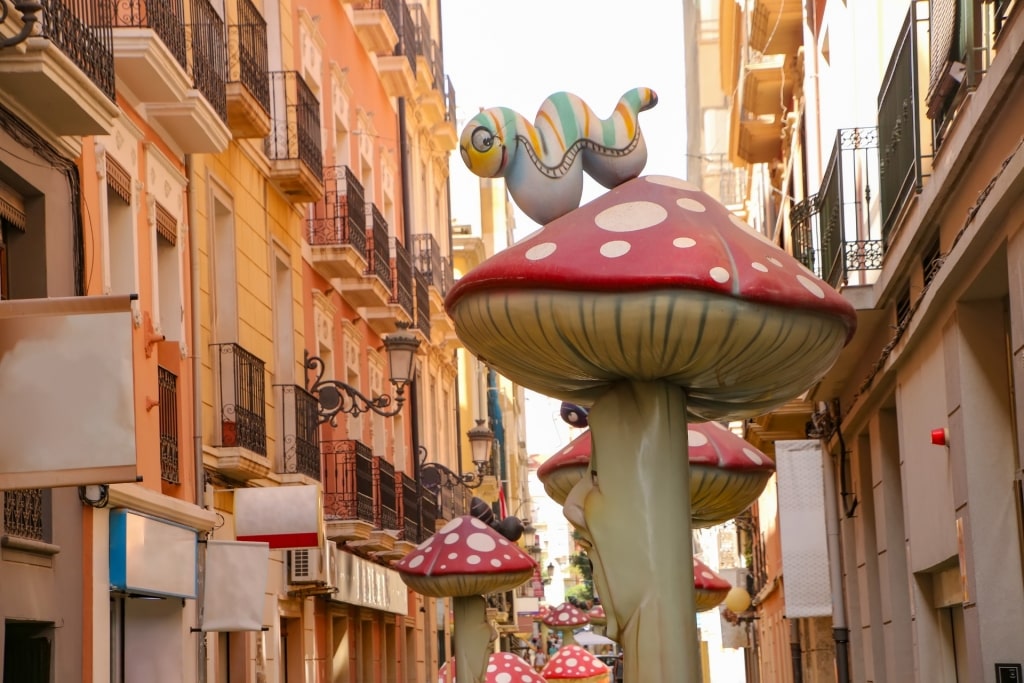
column 502, row 667
column 709, row 587
column 564, row 619
column 573, row 664
column 466, row 560
column 654, row 304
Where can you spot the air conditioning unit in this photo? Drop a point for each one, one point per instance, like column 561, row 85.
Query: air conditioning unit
column 313, row 566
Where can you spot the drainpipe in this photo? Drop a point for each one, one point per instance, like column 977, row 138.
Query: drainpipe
column 794, row 650
column 840, row 630
column 197, row 400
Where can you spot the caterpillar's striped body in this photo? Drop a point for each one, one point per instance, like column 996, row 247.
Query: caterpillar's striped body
column 543, row 162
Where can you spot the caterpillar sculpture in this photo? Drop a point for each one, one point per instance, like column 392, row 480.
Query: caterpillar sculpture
column 543, row 162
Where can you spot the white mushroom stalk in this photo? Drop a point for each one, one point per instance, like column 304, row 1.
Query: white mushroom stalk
column 655, row 305
column 465, row 560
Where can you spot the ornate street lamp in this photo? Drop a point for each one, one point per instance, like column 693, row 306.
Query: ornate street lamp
column 481, row 439
column 334, row 396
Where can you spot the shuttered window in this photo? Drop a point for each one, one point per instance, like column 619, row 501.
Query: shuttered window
column 942, row 39
column 166, row 225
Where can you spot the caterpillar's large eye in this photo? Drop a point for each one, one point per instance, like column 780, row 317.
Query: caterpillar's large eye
column 482, row 139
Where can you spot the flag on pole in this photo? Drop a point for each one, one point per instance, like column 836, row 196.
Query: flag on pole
column 502, row 505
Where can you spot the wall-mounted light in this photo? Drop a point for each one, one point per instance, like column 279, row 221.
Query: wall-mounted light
column 481, row 440
column 334, row 396
column 28, row 9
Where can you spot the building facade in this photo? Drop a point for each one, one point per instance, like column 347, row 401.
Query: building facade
column 260, row 188
column 880, row 144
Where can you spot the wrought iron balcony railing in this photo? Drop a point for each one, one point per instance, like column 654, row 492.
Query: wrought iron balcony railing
column 428, row 47
column 408, row 37
column 300, row 433
column 453, row 496
column 428, row 512
column 294, row 122
column 339, row 218
column 422, row 303
column 449, row 94
column 410, row 509
column 403, row 292
column 428, row 259
column 348, row 480
column 165, row 17
column 385, row 513
column 833, row 231
column 82, row 30
column 207, row 55
column 899, row 127
column 168, row 397
column 242, row 398
column 391, row 8
column 378, row 250
column 247, row 59
column 26, row 514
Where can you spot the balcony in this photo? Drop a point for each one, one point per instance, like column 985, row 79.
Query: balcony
column 428, row 512
column 63, row 78
column 376, row 23
column 451, row 495
column 422, row 297
column 776, row 26
column 168, row 397
column 403, row 282
column 299, row 449
column 374, row 289
column 410, row 534
column 349, row 490
column 248, row 87
column 444, row 131
column 430, row 82
column 398, row 70
column 337, row 230
column 837, row 235
column 768, row 85
column 381, row 540
column 241, row 447
column 901, row 157
column 437, row 271
column 293, row 146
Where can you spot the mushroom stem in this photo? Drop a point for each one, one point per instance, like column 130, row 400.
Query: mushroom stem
column 637, row 512
column 473, row 638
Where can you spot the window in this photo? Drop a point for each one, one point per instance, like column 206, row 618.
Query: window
column 170, row 309
column 223, row 266
column 12, row 221
column 284, row 337
column 122, row 276
column 380, row 441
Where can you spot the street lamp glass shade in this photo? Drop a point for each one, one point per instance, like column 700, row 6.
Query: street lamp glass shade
column 480, row 440
column 401, row 347
column 529, row 535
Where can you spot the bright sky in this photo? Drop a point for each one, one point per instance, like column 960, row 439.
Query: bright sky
column 517, row 52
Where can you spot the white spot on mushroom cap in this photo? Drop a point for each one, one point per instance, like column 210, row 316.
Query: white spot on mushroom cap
column 707, row 575
column 719, row 274
column 481, row 542
column 688, row 204
column 684, row 242
column 451, row 526
column 756, row 265
column 503, row 677
column 695, row 438
column 540, row 251
column 615, row 248
column 417, row 561
column 669, row 181
column 811, row 286
column 451, row 538
column 495, row 562
column 473, row 559
column 452, row 556
column 774, row 261
column 630, row 216
column 753, row 456
column 477, row 523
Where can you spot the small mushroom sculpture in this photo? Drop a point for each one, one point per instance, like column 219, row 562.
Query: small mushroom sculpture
column 466, row 560
column 709, row 588
column 573, row 664
column 655, row 306
column 564, row 619
column 502, row 667
column 564, row 469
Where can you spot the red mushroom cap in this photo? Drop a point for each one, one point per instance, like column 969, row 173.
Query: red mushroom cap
column 502, row 667
column 596, row 613
column 566, row 615
column 464, row 558
column 654, row 280
column 573, row 663
column 710, row 589
column 727, row 474
column 561, row 471
column 505, row 667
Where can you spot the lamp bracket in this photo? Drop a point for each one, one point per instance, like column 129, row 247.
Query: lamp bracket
column 334, row 397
